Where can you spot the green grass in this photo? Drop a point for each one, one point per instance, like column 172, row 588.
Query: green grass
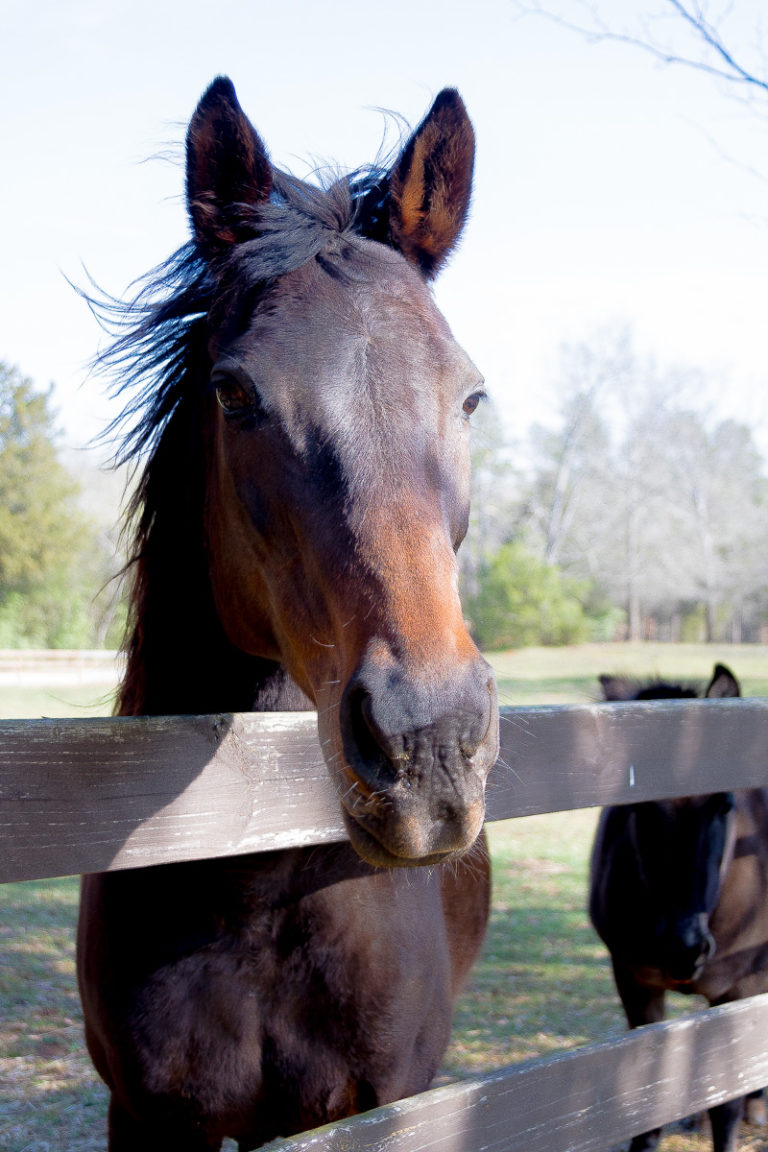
column 64, row 700
column 543, row 982
column 50, row 1097
column 569, row 675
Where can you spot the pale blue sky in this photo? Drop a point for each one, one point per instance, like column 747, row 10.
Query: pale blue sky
column 601, row 189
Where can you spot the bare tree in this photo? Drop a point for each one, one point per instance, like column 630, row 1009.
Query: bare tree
column 494, row 511
column 675, row 32
column 658, row 506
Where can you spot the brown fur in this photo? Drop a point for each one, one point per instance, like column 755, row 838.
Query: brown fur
column 429, row 215
column 295, row 548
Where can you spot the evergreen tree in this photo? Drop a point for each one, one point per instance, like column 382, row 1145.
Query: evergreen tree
column 51, row 559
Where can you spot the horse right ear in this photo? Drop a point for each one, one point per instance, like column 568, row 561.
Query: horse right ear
column 227, row 167
column 723, row 684
column 421, row 205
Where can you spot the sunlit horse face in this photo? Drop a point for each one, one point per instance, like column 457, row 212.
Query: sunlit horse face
column 338, row 487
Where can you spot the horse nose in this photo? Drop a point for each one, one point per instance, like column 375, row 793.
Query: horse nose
column 418, row 752
column 691, row 947
column 392, row 720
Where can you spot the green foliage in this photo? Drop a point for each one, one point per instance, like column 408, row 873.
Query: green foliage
column 53, row 562
column 522, row 601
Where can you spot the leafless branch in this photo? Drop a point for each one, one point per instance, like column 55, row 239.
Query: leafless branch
column 727, row 68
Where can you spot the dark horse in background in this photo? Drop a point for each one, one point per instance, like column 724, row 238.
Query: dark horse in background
column 679, row 894
column 305, row 414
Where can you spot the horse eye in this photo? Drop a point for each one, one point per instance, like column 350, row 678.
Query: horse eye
column 471, row 403
column 234, row 397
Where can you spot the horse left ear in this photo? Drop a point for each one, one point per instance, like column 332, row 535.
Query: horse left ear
column 431, row 183
column 723, row 684
column 227, row 168
column 616, row 688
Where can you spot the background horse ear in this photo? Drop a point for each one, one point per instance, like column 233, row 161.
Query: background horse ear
column 430, row 185
column 618, row 688
column 723, row 684
column 227, row 167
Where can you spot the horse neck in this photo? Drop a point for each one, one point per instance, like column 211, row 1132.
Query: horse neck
column 179, row 659
column 180, row 662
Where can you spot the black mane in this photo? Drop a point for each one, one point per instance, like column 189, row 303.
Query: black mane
column 663, row 690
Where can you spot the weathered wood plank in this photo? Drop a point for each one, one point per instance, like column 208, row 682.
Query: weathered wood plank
column 585, row 756
column 87, row 795
column 90, row 795
column 587, row 1100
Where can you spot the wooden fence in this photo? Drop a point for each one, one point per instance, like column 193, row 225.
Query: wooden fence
column 98, row 794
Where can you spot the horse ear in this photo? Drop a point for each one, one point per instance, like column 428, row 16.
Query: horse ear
column 431, row 183
column 723, row 684
column 618, row 688
column 227, row 167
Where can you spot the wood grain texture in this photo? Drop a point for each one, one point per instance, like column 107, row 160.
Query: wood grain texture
column 96, row 794
column 586, row 1100
column 90, row 795
column 583, row 756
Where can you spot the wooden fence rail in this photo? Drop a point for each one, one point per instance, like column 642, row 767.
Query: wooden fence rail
column 96, row 794
column 586, row 1100
column 88, row 795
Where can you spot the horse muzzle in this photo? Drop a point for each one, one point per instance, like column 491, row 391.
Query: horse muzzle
column 688, row 950
column 416, row 755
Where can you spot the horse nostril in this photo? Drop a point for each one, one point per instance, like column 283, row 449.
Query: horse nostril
column 369, row 740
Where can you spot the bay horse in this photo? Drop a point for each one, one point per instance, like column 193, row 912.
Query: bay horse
column 304, row 412
column 679, row 895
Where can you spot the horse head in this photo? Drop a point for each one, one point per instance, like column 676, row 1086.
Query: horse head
column 337, row 444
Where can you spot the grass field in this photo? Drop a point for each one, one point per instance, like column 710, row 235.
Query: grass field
column 569, row 675
column 543, row 983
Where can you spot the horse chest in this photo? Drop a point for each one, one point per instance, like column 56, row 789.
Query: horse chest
column 308, row 1007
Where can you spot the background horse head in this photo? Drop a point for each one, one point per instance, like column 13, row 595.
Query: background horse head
column 678, row 893
column 305, row 412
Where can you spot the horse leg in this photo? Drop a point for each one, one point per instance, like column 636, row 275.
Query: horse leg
column 642, row 1005
column 725, row 1124
column 127, row 1134
column 754, row 1109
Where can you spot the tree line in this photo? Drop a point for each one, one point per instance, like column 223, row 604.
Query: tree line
column 634, row 513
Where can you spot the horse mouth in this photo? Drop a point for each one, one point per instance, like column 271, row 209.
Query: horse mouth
column 683, row 977
column 681, row 983
column 684, row 980
column 365, row 835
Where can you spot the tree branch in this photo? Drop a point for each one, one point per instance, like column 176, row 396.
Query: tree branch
column 729, row 70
